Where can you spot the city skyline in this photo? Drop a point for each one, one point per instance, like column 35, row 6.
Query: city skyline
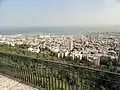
column 59, row 13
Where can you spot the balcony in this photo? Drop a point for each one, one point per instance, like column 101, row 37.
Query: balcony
column 10, row 84
column 52, row 75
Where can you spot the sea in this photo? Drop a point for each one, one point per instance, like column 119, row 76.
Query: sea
column 55, row 30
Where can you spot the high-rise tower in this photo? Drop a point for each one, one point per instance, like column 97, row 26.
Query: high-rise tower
column 70, row 44
column 119, row 56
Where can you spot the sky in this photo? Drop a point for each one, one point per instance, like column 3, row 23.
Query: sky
column 25, row 13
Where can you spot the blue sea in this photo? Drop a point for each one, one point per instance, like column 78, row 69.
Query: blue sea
column 54, row 30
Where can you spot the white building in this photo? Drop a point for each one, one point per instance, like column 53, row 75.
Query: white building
column 66, row 53
column 37, row 50
column 12, row 44
column 73, row 56
column 80, row 56
column 30, row 49
column 70, row 44
column 58, row 54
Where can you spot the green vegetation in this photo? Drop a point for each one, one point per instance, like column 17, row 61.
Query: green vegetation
column 84, row 79
column 22, row 50
column 46, row 54
column 37, row 72
column 56, row 76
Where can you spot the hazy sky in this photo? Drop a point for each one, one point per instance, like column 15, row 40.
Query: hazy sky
column 59, row 12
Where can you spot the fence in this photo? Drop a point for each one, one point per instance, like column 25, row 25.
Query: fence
column 52, row 75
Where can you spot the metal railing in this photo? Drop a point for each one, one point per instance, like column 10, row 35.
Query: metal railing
column 52, row 75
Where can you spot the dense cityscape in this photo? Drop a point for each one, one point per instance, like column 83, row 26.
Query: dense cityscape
column 97, row 48
column 99, row 51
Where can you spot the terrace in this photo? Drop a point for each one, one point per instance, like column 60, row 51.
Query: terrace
column 52, row 75
column 10, row 84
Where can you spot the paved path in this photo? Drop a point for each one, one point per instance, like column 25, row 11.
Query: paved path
column 9, row 84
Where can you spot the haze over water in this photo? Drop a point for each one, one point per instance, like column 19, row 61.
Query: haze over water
column 58, row 17
column 57, row 30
